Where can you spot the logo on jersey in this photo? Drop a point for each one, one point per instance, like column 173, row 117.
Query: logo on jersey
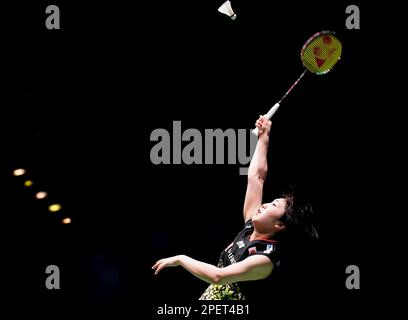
column 252, row 250
column 269, row 248
column 240, row 244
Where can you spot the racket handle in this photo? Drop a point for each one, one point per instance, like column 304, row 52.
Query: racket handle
column 268, row 116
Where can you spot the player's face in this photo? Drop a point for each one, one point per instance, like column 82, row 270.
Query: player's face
column 269, row 213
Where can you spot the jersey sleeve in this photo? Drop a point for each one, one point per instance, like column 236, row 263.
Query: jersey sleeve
column 269, row 250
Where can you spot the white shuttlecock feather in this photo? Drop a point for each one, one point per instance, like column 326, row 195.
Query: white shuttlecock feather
column 227, row 9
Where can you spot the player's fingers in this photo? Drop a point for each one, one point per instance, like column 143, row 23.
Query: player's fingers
column 156, row 264
column 159, row 269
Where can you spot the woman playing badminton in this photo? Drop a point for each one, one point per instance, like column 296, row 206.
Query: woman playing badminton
column 254, row 253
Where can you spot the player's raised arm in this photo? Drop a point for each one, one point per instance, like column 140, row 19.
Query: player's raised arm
column 258, row 169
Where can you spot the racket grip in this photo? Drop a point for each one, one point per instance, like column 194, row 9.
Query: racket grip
column 268, row 116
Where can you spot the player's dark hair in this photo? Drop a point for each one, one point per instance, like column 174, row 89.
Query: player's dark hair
column 298, row 216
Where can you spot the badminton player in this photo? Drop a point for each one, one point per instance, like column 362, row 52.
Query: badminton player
column 247, row 263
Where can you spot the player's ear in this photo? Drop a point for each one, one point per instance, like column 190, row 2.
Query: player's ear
column 280, row 226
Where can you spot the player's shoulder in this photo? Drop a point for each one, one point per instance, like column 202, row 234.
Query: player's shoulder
column 263, row 247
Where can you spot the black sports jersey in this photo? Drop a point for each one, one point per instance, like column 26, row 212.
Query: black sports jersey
column 241, row 248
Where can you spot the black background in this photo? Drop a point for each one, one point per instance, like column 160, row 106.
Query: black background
column 78, row 108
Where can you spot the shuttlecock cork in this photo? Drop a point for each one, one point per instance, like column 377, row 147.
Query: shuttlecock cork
column 227, row 9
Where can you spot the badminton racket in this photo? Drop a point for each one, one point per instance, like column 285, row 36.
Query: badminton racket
column 319, row 55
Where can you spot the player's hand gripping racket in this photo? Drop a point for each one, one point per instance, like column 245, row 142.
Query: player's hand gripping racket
column 319, row 55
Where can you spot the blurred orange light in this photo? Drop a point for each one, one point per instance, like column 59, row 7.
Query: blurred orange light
column 66, row 221
column 41, row 195
column 19, row 172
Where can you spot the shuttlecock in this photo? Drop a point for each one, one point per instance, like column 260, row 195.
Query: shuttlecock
column 227, row 9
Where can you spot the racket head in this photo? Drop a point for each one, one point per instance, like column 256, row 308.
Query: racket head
column 321, row 52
